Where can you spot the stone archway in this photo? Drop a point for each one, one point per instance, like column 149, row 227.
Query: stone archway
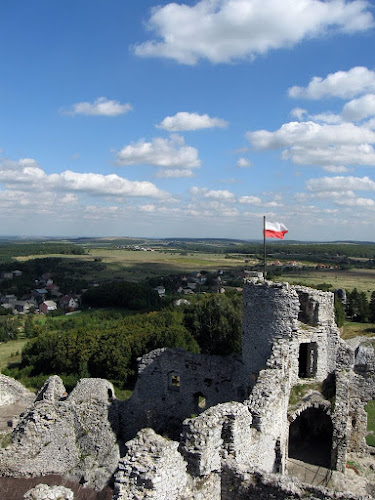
column 310, row 437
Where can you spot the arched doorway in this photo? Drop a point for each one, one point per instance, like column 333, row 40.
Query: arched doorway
column 310, row 437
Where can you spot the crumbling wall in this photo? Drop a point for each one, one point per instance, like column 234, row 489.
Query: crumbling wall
column 174, row 384
column 12, row 391
column 73, row 435
column 216, row 434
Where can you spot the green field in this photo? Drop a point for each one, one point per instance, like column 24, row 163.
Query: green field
column 137, row 266
column 362, row 279
column 8, row 352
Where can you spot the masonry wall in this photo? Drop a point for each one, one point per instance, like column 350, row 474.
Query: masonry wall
column 174, row 384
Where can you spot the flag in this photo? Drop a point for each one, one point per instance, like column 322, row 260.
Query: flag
column 275, row 230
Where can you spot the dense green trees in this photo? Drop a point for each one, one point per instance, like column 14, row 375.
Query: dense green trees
column 122, row 294
column 358, row 307
column 110, row 350
column 215, row 322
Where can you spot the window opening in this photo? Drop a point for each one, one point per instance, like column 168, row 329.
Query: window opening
column 175, row 382
column 200, row 400
column 307, row 360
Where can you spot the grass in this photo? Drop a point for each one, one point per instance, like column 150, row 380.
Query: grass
column 298, row 391
column 370, row 409
column 352, row 329
column 5, row 440
column 122, row 394
column 10, row 352
column 362, row 279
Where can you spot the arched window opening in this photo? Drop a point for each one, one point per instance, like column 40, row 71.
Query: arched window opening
column 310, row 438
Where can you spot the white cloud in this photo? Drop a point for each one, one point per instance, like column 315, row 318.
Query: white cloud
column 302, row 115
column 190, row 121
column 330, row 118
column 100, row 107
column 226, row 30
column 310, row 133
column 340, row 183
column 27, row 175
column 219, row 194
column 336, row 169
column 251, row 200
column 174, row 173
column 361, row 108
column 172, row 153
column 344, row 154
column 326, row 145
column 343, row 84
column 356, row 202
column 243, row 163
column 299, row 113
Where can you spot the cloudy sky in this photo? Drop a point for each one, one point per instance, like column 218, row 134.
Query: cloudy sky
column 187, row 119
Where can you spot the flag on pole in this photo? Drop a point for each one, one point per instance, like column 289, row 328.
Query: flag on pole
column 274, row 230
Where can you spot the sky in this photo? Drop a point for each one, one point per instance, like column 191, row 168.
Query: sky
column 155, row 119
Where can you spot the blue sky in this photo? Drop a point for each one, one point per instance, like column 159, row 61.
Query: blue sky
column 187, row 119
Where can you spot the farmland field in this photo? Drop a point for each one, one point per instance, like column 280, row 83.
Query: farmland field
column 136, row 266
column 362, row 279
column 9, row 350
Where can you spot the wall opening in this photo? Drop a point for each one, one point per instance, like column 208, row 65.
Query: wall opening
column 307, row 360
column 309, row 309
column 174, row 382
column 310, row 438
column 200, row 400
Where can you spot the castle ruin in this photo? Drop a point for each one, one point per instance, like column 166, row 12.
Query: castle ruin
column 214, row 427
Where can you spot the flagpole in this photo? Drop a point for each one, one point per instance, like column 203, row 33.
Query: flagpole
column 264, row 247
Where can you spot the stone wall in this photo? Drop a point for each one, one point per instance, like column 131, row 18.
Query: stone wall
column 174, row 384
column 73, row 435
column 12, row 391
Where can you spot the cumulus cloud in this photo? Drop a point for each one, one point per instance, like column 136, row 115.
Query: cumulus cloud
column 299, row 113
column 174, row 173
column 302, row 115
column 251, row 200
column 172, row 153
column 310, row 133
column 336, row 169
column 325, row 156
column 243, row 163
column 100, row 107
column 326, row 145
column 340, row 183
column 358, row 109
column 27, row 175
column 190, row 121
column 220, row 194
column 222, row 31
column 343, row 84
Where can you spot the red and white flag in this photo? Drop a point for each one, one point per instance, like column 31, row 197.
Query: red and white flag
column 275, row 230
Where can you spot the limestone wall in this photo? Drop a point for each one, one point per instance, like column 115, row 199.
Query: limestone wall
column 270, row 311
column 74, row 436
column 174, row 384
column 12, row 391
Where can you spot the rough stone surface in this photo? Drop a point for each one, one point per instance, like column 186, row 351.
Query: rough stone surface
column 75, row 436
column 45, row 492
column 12, row 391
column 152, row 468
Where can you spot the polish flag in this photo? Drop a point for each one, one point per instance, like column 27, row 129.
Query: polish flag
column 275, row 230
